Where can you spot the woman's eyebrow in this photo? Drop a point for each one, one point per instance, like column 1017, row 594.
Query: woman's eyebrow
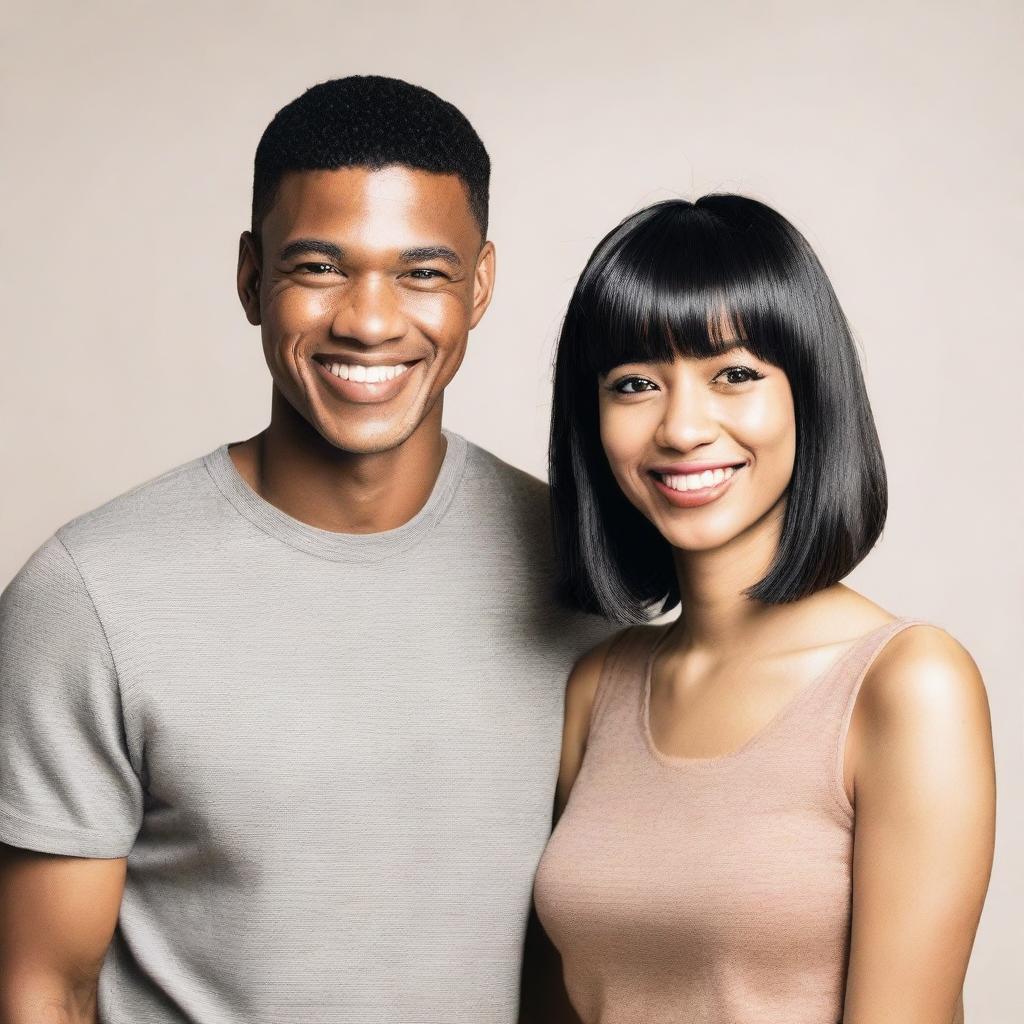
column 728, row 346
column 309, row 247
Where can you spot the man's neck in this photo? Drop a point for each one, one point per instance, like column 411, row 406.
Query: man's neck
column 290, row 465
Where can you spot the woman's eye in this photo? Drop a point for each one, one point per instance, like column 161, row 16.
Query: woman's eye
column 633, row 385
column 738, row 375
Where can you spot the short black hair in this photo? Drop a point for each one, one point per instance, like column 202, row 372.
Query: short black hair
column 370, row 121
column 658, row 286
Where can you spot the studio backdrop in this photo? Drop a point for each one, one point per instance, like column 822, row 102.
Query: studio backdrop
column 888, row 132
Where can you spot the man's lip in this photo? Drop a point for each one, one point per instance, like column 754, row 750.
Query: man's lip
column 365, row 392
column 325, row 359
column 684, row 468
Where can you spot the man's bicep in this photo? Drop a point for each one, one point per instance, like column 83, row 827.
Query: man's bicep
column 57, row 918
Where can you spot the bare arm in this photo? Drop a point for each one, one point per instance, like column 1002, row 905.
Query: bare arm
column 544, row 999
column 57, row 917
column 580, row 691
column 920, row 760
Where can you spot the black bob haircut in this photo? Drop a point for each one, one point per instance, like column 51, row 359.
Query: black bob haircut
column 678, row 279
column 370, row 121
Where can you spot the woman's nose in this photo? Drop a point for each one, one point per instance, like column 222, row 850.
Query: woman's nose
column 689, row 420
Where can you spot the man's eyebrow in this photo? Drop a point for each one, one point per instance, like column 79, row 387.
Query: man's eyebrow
column 430, row 252
column 311, row 246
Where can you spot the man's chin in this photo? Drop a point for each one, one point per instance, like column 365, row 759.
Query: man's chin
column 366, row 441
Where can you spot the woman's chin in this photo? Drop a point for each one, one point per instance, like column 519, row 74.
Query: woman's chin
column 697, row 536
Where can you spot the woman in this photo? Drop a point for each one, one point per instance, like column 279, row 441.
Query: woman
column 785, row 809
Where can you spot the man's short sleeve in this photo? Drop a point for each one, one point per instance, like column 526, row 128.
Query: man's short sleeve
column 67, row 785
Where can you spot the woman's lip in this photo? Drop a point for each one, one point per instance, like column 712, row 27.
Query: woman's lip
column 364, row 392
column 702, row 496
column 682, row 468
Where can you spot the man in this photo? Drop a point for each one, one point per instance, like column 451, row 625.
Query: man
column 280, row 728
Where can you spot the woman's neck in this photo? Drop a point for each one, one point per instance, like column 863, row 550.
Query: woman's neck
column 716, row 612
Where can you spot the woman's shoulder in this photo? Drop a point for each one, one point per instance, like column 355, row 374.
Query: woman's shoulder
column 922, row 674
column 919, row 676
column 586, row 673
column 580, row 694
column 585, row 678
column 589, row 667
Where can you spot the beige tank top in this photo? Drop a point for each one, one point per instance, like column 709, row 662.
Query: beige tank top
column 707, row 890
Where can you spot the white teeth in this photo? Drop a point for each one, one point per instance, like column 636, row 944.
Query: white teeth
column 366, row 374
column 698, row 481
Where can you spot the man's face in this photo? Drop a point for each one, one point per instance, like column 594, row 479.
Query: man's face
column 366, row 288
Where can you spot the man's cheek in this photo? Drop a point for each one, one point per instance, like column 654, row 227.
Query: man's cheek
column 439, row 315
column 308, row 307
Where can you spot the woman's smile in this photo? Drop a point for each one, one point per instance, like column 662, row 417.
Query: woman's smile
column 692, row 485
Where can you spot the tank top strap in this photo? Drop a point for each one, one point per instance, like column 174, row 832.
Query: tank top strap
column 619, row 689
column 815, row 734
column 835, row 693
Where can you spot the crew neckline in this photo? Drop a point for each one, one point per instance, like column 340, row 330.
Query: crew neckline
column 329, row 544
column 681, row 762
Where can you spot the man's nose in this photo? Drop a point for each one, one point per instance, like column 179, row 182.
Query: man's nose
column 370, row 312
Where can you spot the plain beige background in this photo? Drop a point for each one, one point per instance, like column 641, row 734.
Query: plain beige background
column 888, row 132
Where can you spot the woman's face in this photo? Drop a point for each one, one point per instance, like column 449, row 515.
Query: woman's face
column 703, row 447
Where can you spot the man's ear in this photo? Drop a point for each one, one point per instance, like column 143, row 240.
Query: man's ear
column 248, row 277
column 483, row 283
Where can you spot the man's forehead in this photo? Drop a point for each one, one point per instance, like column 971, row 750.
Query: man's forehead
column 393, row 200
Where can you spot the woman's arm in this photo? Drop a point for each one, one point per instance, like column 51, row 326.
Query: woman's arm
column 543, row 999
column 580, row 691
column 920, row 765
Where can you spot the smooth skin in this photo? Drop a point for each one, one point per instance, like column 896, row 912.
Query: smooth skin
column 366, row 266
column 919, row 766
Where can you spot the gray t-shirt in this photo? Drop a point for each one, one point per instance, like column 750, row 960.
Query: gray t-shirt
column 329, row 758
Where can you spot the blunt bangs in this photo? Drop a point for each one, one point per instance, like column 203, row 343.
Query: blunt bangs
column 675, row 281
column 683, row 279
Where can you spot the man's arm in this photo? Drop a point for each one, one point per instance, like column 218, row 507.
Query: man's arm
column 57, row 917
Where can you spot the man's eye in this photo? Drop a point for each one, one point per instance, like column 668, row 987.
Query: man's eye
column 738, row 375
column 633, row 385
column 316, row 268
column 425, row 274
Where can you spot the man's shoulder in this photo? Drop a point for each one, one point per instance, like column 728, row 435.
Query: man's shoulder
column 160, row 512
column 485, row 470
column 505, row 502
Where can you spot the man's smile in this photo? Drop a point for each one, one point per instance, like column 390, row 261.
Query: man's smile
column 363, row 382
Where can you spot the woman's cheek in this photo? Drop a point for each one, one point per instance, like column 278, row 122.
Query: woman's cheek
column 767, row 425
column 626, row 433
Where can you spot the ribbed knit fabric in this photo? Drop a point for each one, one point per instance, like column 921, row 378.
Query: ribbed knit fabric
column 707, row 891
column 329, row 759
